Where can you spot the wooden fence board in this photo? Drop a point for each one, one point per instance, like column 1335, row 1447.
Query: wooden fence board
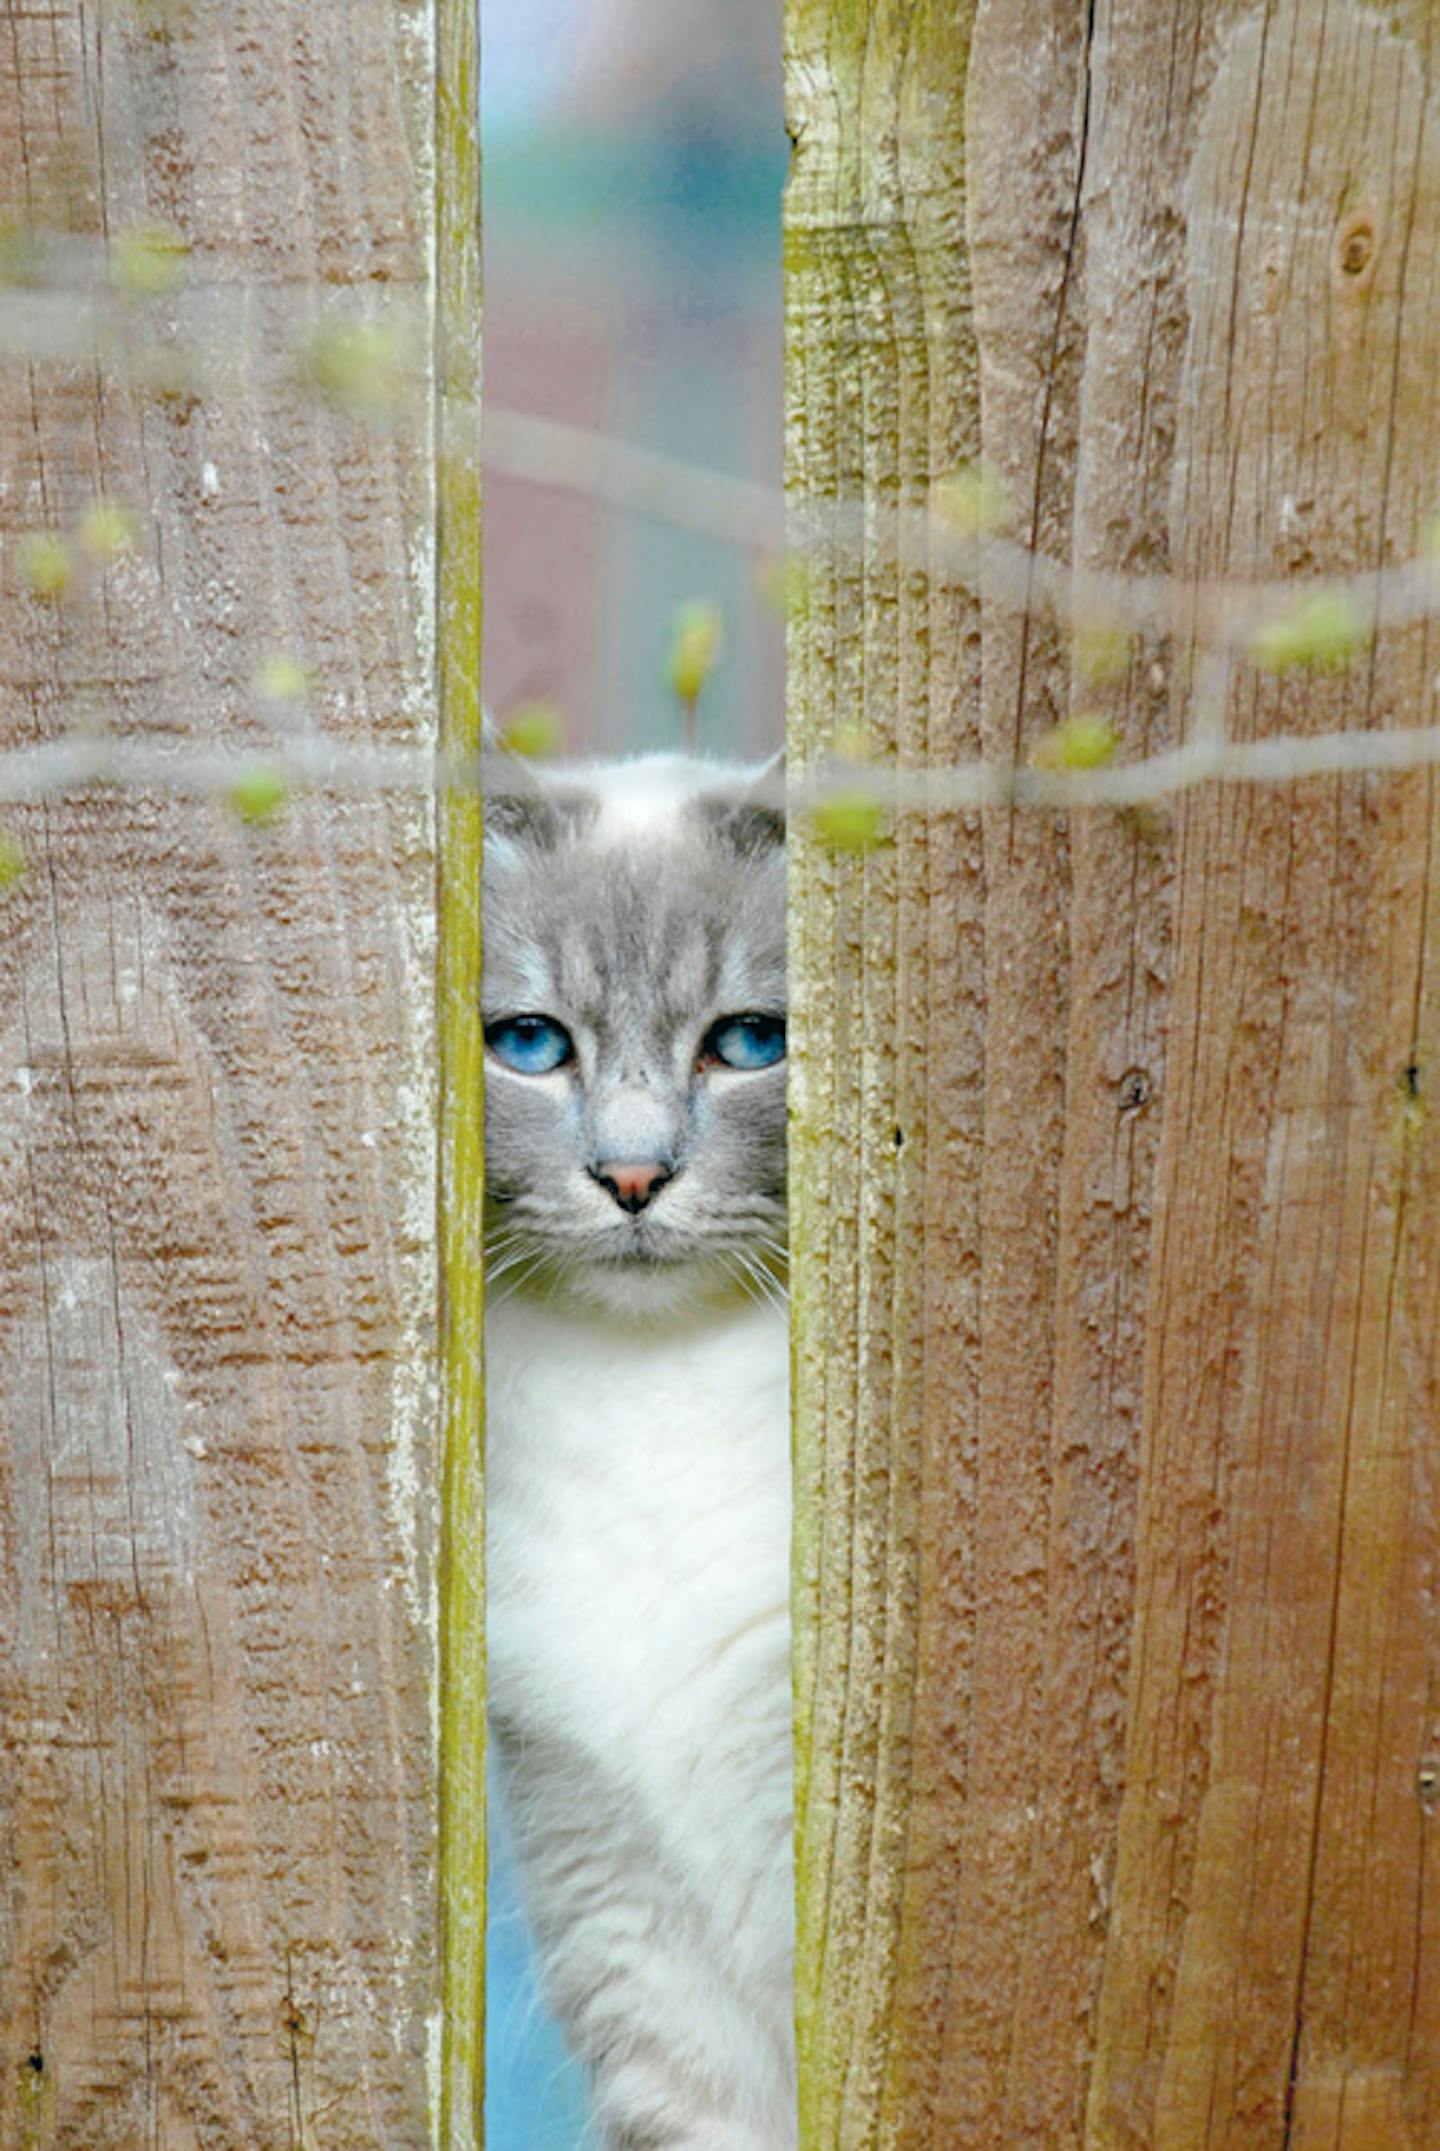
column 1114, row 1227
column 217, row 1374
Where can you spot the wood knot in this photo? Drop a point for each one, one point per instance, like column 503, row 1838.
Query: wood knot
column 1355, row 248
column 1272, row 279
column 1135, row 1090
column 298, row 2030
column 1427, row 1784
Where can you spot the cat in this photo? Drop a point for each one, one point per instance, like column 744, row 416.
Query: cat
column 638, row 1449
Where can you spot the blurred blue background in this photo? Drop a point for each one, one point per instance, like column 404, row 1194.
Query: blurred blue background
column 634, row 155
column 534, row 2094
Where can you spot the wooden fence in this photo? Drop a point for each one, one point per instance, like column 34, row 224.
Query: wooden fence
column 1115, row 1157
column 1116, row 1211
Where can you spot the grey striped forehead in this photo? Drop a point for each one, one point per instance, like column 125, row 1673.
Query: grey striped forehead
column 667, row 939
column 648, row 927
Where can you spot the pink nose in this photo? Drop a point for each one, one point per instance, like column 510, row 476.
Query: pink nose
column 633, row 1185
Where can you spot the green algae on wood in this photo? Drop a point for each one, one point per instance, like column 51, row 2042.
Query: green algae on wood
column 458, row 574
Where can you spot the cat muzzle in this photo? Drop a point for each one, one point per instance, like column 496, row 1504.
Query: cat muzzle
column 632, row 1184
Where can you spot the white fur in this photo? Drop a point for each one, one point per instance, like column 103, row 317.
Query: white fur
column 639, row 798
column 638, row 1499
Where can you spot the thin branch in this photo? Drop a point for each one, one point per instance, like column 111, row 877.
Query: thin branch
column 317, row 762
column 540, row 451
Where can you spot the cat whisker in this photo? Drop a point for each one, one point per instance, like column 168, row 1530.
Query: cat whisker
column 512, row 1260
column 752, row 1275
column 520, row 1267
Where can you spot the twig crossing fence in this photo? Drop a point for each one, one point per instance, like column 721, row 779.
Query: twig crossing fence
column 1295, row 626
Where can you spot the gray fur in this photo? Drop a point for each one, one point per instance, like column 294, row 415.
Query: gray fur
column 637, row 931
column 638, row 1440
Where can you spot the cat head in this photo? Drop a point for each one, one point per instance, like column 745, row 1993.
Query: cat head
column 634, row 1007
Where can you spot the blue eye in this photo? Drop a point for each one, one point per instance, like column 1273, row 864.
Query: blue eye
column 531, row 1045
column 745, row 1042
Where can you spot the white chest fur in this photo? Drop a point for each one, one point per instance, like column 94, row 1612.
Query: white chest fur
column 638, row 1503
column 639, row 1517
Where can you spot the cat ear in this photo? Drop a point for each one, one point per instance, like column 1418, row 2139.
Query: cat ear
column 523, row 806
column 752, row 819
column 510, row 788
column 769, row 779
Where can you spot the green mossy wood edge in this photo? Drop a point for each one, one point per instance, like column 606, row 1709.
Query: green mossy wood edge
column 458, row 581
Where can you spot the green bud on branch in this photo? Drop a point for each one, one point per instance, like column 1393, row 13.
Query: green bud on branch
column 45, row 564
column 361, row 368
column 969, row 501
column 694, row 647
column 1102, row 651
column 106, row 530
column 1079, row 742
column 259, row 796
column 849, row 821
column 282, row 678
column 534, row 729
column 1321, row 633
column 148, row 260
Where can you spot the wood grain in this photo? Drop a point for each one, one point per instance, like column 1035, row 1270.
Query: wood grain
column 885, row 969
column 217, row 1473
column 1268, row 1935
column 1115, row 1231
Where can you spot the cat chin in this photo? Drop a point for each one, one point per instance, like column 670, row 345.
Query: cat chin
column 650, row 1291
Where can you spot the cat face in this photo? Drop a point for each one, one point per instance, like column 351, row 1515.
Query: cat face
column 634, row 1006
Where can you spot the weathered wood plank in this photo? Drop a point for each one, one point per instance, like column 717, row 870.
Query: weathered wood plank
column 887, row 1005
column 1272, row 1844
column 217, row 1377
column 1117, row 1529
